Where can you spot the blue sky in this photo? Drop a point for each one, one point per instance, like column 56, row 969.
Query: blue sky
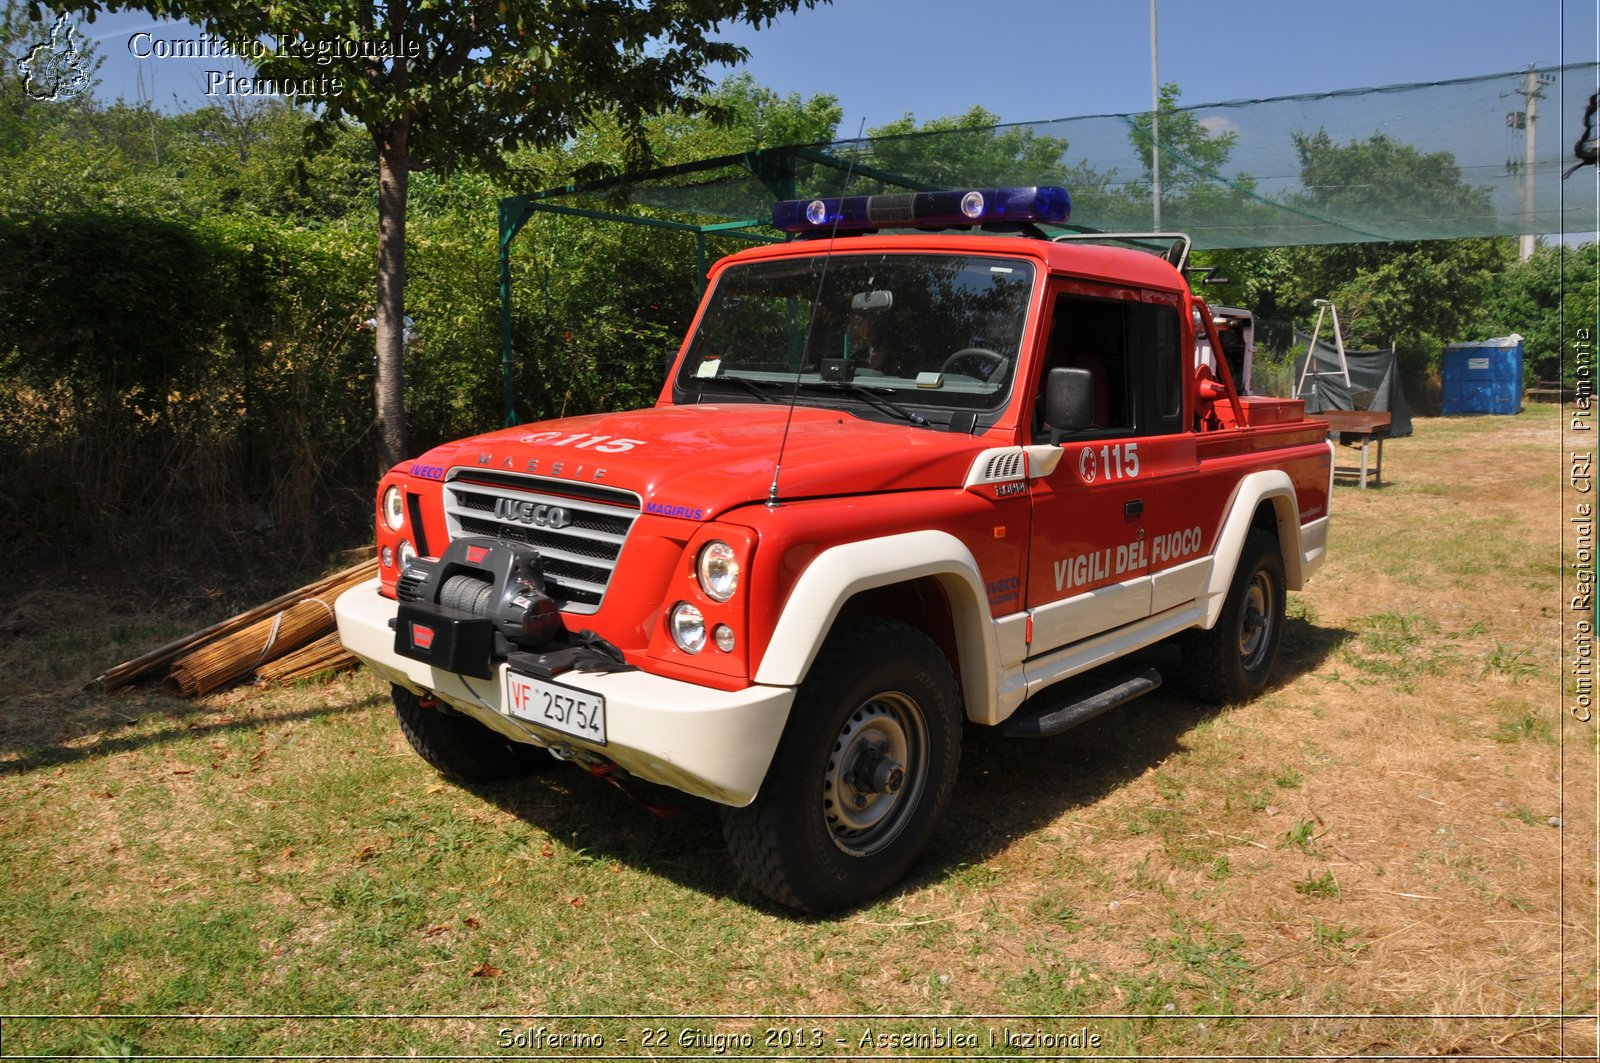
column 1038, row 59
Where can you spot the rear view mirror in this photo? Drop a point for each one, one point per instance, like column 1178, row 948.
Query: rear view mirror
column 874, row 300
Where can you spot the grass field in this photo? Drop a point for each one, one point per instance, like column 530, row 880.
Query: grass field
column 1392, row 853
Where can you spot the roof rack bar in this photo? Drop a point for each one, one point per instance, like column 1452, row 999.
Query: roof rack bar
column 1177, row 254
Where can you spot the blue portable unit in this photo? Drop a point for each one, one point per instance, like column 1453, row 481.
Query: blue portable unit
column 1483, row 377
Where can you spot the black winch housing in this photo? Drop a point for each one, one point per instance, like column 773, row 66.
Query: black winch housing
column 487, row 599
column 482, row 599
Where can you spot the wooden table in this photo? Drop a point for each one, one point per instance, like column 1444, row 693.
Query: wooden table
column 1363, row 428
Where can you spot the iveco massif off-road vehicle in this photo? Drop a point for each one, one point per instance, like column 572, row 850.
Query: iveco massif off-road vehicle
column 897, row 484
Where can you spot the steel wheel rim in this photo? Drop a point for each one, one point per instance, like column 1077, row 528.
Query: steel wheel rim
column 887, row 730
column 1255, row 621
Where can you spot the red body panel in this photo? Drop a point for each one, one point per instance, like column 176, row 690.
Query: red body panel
column 707, row 471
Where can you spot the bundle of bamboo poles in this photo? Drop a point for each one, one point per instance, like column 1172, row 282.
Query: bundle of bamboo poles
column 322, row 657
column 217, row 655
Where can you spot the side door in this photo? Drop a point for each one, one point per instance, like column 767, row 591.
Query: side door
column 1088, row 558
column 1181, row 514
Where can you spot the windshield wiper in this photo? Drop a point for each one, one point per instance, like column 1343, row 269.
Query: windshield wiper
column 752, row 386
column 872, row 397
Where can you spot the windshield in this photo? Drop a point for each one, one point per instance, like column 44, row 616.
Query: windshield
column 931, row 331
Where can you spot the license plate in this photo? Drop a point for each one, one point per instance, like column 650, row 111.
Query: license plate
column 565, row 709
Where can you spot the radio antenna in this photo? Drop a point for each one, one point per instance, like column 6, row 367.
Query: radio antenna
column 816, row 300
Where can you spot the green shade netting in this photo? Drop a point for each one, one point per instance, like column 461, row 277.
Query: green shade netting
column 1403, row 162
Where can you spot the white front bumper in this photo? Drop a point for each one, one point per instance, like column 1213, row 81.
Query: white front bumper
column 714, row 744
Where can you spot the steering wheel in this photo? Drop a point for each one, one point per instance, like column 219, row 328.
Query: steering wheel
column 981, row 355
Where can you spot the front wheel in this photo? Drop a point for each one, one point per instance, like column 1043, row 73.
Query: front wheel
column 461, row 747
column 1232, row 662
column 862, row 775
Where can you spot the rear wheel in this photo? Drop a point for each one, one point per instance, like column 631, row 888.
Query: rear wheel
column 1232, row 662
column 862, row 775
column 459, row 746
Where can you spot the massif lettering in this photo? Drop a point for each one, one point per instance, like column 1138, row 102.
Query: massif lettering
column 548, row 468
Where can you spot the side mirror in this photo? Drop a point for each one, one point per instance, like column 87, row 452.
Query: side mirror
column 1068, row 401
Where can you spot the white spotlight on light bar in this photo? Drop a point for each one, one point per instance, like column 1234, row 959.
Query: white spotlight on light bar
column 1045, row 204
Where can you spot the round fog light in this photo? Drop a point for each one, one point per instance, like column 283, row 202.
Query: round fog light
column 724, row 637
column 408, row 553
column 688, row 628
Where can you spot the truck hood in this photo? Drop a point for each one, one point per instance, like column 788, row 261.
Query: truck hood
column 700, row 461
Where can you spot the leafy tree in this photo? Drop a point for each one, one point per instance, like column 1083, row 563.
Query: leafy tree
column 1384, row 186
column 599, row 304
column 1197, row 192
column 740, row 115
column 967, row 149
column 454, row 83
column 1192, row 156
column 1397, row 288
column 1546, row 300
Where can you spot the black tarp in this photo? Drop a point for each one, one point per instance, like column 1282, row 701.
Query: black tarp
column 1374, row 383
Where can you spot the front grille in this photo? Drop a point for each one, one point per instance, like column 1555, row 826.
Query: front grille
column 578, row 558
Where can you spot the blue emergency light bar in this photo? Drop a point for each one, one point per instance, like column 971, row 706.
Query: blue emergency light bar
column 924, row 210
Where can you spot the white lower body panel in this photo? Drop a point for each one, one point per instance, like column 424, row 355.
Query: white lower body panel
column 715, row 744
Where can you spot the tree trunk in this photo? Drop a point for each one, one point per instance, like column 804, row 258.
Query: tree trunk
column 389, row 389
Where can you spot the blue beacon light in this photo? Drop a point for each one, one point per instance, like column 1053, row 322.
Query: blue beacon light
column 1048, row 204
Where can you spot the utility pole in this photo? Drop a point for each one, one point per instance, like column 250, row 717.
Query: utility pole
column 1532, row 91
column 1155, row 125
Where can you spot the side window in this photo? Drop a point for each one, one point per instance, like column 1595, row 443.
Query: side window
column 1133, row 352
column 1166, row 368
column 1096, row 334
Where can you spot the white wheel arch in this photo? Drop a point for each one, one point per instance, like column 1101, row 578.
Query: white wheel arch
column 838, row 574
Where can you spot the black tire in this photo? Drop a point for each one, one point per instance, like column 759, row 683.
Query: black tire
column 1232, row 662
column 461, row 747
column 862, row 774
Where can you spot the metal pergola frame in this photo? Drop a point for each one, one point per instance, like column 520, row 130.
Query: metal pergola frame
column 775, row 168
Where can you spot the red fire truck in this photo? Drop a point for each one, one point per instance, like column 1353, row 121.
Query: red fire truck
column 897, row 484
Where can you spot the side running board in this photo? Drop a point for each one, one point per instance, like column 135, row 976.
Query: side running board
column 1088, row 705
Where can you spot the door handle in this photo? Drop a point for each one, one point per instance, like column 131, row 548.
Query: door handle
column 1132, row 510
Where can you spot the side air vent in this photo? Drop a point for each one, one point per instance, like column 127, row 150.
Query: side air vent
column 1000, row 465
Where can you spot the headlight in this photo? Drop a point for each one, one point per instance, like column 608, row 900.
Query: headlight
column 718, row 570
column 688, row 628
column 394, row 508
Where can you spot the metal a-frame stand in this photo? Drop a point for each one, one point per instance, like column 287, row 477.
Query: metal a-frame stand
column 1324, row 309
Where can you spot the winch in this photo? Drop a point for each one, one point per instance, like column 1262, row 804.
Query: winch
column 481, row 599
